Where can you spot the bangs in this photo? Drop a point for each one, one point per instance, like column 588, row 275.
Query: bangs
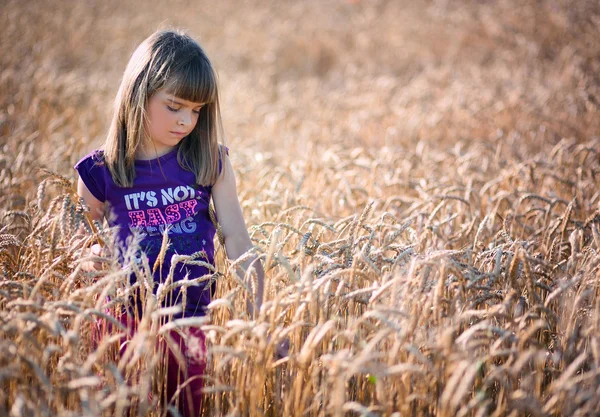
column 194, row 81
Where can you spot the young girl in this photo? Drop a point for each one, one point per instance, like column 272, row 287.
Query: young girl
column 158, row 169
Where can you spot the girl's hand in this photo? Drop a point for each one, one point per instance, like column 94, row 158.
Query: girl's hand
column 94, row 265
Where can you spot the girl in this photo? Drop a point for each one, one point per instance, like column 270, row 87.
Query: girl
column 158, row 169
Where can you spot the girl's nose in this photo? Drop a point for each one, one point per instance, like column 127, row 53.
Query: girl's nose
column 186, row 119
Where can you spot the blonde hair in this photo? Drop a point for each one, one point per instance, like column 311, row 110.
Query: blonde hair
column 173, row 61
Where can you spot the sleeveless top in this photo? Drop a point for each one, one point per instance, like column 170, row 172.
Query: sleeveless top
column 163, row 195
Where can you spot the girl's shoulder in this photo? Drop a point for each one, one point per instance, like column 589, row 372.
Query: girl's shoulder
column 223, row 150
column 94, row 158
column 94, row 173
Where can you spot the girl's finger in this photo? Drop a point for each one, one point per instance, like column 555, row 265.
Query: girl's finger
column 96, row 249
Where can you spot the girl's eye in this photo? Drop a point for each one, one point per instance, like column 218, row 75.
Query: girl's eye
column 173, row 109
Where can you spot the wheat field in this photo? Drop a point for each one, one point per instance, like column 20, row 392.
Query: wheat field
column 420, row 180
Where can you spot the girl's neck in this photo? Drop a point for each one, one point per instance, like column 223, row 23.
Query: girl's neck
column 147, row 153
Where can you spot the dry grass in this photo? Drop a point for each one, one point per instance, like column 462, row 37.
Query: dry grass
column 420, row 180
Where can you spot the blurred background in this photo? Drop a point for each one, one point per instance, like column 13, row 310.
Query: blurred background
column 417, row 143
column 295, row 75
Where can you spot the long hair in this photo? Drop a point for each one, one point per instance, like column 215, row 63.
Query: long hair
column 173, row 61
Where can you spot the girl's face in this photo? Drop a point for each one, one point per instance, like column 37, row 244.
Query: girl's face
column 170, row 119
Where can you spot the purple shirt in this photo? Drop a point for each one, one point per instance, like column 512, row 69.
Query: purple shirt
column 163, row 195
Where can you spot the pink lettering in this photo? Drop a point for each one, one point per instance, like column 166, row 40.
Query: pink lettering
column 138, row 218
column 172, row 213
column 189, row 207
column 155, row 217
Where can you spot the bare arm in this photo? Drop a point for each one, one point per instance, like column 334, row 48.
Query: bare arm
column 96, row 206
column 235, row 233
column 97, row 214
